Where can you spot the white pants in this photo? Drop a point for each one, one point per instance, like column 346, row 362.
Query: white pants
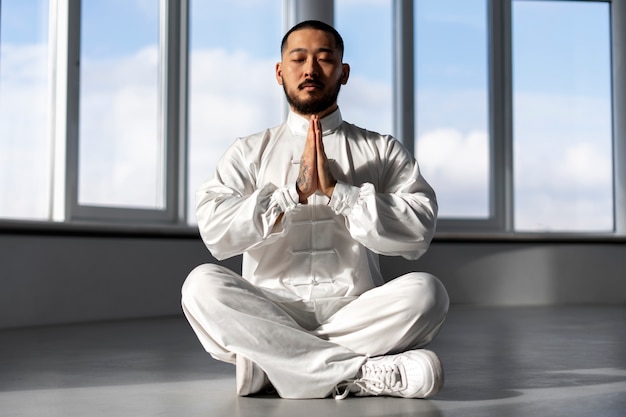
column 307, row 348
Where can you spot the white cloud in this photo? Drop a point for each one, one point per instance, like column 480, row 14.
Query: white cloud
column 563, row 165
column 547, row 211
column 568, row 190
column 456, row 165
column 453, row 157
column 550, row 120
column 23, row 64
column 585, row 165
column 465, row 110
column 367, row 103
column 24, row 131
column 562, row 156
column 231, row 95
column 120, row 155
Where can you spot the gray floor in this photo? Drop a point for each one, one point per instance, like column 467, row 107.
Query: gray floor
column 498, row 361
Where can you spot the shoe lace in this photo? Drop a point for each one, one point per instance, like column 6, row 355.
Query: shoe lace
column 376, row 378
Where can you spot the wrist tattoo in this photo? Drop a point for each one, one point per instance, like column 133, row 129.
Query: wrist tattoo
column 302, row 182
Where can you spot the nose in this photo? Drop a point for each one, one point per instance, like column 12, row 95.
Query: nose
column 312, row 68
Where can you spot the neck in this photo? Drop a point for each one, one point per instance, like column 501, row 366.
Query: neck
column 321, row 114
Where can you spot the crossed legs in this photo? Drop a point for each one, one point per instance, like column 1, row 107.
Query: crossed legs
column 305, row 353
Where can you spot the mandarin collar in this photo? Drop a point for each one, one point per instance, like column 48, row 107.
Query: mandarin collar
column 300, row 126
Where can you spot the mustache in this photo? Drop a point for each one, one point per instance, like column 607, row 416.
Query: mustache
column 310, row 83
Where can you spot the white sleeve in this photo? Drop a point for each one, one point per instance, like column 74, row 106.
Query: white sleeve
column 233, row 215
column 399, row 218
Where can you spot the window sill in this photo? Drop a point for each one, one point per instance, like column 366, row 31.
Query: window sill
column 528, row 237
column 183, row 231
column 24, row 227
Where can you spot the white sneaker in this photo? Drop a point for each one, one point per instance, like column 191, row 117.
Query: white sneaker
column 412, row 374
column 250, row 378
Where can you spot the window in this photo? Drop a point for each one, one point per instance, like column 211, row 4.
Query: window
column 121, row 146
column 451, row 96
column 115, row 110
column 25, row 119
column 232, row 91
column 537, row 103
column 562, row 116
column 119, row 110
column 365, row 27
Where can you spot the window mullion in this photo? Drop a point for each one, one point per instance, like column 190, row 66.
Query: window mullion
column 65, row 47
column 403, row 79
column 174, row 44
column 618, row 29
column 181, row 140
column 297, row 11
column 500, row 114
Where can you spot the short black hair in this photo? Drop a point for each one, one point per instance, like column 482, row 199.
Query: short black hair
column 317, row 25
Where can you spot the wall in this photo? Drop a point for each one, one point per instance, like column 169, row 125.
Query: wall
column 512, row 273
column 51, row 278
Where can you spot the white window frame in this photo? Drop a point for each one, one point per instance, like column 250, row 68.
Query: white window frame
column 501, row 112
column 500, row 116
column 66, row 15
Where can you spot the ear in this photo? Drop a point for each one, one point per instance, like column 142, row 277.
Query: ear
column 279, row 73
column 345, row 73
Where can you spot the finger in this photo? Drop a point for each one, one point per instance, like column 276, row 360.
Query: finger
column 311, row 136
column 318, row 126
column 306, row 183
column 319, row 143
column 326, row 181
column 314, row 127
column 318, row 138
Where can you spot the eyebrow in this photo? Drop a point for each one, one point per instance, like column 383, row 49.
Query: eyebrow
column 322, row 49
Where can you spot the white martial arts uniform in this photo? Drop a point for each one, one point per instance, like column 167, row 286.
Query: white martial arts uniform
column 310, row 306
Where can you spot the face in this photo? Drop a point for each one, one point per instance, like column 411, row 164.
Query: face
column 311, row 72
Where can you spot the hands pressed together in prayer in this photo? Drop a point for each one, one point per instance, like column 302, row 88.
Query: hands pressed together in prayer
column 314, row 167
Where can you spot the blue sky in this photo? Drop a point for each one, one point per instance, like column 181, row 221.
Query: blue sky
column 257, row 29
column 17, row 21
column 565, row 57
column 451, row 44
column 117, row 27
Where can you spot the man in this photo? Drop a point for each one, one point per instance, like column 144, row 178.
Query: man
column 310, row 204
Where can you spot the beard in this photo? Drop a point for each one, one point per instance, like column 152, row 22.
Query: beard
column 313, row 105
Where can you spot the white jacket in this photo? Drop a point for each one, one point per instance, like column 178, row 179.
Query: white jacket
column 323, row 249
